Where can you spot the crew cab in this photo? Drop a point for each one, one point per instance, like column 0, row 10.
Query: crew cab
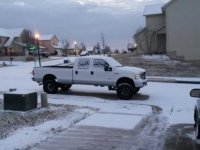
column 92, row 70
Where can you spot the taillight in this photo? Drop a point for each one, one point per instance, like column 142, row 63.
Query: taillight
column 32, row 73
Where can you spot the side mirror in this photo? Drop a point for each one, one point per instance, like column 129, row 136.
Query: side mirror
column 195, row 93
column 107, row 68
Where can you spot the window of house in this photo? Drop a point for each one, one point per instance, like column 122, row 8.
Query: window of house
column 83, row 63
column 100, row 63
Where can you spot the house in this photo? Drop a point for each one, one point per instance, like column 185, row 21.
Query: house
column 11, row 42
column 152, row 38
column 183, row 29
column 171, row 28
column 50, row 43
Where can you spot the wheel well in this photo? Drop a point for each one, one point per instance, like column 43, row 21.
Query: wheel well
column 49, row 77
column 125, row 80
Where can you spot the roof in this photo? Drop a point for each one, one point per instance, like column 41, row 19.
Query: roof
column 167, row 4
column 9, row 42
column 155, row 9
column 46, row 37
column 20, row 43
column 11, row 34
column 15, row 32
column 140, row 31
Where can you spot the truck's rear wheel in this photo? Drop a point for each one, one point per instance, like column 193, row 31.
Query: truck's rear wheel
column 125, row 91
column 50, row 86
column 135, row 90
column 65, row 87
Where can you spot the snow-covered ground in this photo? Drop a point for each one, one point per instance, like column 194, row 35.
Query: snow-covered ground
column 173, row 98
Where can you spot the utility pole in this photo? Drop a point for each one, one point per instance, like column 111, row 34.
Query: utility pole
column 103, row 42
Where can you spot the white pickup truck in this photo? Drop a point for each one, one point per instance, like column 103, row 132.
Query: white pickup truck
column 92, row 70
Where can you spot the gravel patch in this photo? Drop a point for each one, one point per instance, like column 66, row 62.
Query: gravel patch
column 12, row 120
column 160, row 65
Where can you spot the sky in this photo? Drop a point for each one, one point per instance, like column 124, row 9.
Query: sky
column 78, row 20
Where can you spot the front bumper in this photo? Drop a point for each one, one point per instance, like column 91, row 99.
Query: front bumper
column 140, row 83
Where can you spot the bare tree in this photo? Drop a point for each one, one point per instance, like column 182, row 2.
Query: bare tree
column 145, row 40
column 97, row 48
column 28, row 38
column 116, row 51
column 82, row 47
column 66, row 44
column 107, row 50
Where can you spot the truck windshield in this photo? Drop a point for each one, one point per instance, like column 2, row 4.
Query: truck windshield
column 114, row 63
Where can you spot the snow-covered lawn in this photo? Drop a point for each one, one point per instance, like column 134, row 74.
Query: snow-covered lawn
column 174, row 100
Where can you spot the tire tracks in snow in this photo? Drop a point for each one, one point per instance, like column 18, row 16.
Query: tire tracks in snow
column 150, row 133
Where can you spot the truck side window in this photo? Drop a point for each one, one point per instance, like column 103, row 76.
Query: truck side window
column 83, row 63
column 99, row 63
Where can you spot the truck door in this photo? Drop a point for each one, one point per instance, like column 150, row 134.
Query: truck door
column 99, row 75
column 81, row 73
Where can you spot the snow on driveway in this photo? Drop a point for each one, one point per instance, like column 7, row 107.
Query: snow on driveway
column 28, row 136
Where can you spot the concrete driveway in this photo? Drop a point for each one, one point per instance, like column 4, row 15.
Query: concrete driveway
column 112, row 131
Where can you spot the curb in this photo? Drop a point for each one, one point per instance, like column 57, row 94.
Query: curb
column 172, row 80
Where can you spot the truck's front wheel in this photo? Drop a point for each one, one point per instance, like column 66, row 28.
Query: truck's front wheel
column 197, row 126
column 125, row 91
column 50, row 86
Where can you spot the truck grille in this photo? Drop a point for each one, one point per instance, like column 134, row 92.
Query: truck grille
column 143, row 75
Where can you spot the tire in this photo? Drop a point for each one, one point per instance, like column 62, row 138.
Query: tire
column 65, row 87
column 125, row 91
column 136, row 90
column 50, row 86
column 197, row 127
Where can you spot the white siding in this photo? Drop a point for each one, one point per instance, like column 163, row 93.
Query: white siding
column 183, row 28
column 155, row 22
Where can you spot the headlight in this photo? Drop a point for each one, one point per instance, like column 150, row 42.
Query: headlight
column 137, row 76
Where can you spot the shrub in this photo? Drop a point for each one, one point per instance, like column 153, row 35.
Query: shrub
column 30, row 58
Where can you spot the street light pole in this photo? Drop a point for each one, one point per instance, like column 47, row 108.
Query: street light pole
column 75, row 48
column 38, row 47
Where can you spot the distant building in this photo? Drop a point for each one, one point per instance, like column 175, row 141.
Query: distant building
column 50, row 43
column 172, row 28
column 11, row 42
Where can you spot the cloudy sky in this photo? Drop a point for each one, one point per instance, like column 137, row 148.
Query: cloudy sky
column 78, row 20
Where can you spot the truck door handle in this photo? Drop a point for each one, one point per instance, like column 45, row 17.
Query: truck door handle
column 76, row 72
column 92, row 72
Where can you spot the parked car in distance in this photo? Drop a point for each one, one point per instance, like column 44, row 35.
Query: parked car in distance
column 84, row 53
column 196, row 93
column 43, row 53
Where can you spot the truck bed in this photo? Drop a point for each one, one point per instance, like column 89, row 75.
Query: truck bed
column 62, row 72
column 63, row 65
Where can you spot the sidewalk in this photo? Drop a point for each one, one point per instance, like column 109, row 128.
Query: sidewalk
column 174, row 80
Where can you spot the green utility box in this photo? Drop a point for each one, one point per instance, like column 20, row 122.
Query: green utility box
column 24, row 101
